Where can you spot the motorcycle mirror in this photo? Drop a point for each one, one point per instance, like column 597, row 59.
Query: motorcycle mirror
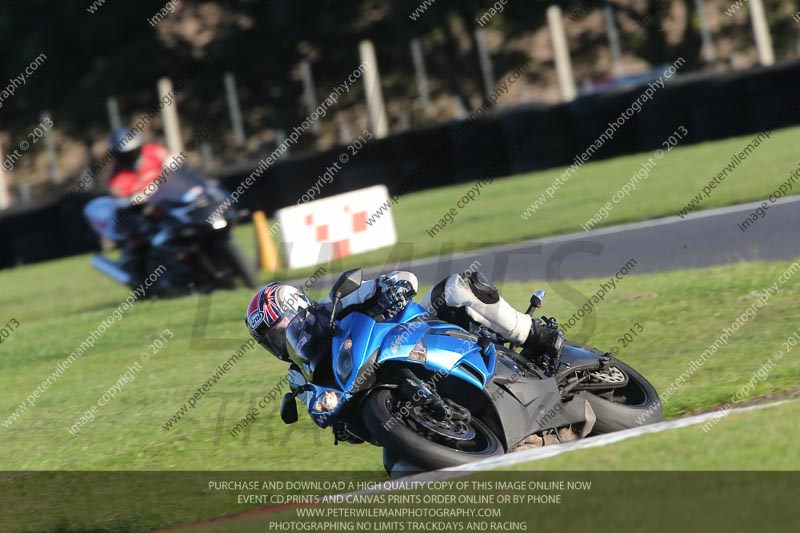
column 348, row 283
column 289, row 409
column 537, row 300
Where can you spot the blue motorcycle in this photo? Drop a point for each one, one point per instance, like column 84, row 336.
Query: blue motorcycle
column 434, row 395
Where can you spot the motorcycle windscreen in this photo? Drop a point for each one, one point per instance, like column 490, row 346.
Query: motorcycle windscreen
column 192, row 200
column 307, row 341
column 358, row 337
column 173, row 186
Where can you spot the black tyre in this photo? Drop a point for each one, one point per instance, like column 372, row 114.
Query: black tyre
column 395, row 433
column 635, row 404
column 234, row 260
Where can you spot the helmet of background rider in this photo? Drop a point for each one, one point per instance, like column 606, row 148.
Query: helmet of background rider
column 269, row 314
column 125, row 145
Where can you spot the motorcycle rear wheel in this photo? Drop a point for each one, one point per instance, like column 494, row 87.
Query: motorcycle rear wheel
column 391, row 429
column 635, row 404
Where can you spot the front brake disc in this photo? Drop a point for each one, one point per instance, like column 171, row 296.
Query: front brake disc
column 612, row 376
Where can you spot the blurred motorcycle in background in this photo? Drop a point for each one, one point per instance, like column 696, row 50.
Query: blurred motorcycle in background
column 181, row 225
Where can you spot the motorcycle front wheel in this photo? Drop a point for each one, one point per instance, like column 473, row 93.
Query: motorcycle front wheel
column 234, row 259
column 389, row 421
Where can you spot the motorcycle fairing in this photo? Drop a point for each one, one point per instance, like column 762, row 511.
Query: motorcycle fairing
column 450, row 350
column 525, row 406
column 313, row 393
column 575, row 355
column 374, row 343
column 522, row 405
column 101, row 213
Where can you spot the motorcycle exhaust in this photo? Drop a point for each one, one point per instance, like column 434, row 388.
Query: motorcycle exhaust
column 111, row 269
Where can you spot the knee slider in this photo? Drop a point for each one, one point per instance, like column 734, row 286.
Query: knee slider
column 482, row 288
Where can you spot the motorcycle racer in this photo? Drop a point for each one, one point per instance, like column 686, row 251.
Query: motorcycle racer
column 468, row 300
column 137, row 166
column 407, row 377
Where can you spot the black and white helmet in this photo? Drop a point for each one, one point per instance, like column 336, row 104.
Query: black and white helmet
column 125, row 145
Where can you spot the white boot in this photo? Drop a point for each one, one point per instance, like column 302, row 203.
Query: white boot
column 470, row 296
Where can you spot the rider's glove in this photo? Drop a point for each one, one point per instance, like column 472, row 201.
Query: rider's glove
column 395, row 295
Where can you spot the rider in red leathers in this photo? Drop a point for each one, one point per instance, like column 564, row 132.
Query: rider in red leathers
column 137, row 164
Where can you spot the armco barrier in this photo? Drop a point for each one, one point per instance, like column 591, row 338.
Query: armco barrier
column 711, row 106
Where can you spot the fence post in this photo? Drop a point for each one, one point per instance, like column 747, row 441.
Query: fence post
column 403, row 121
column 613, row 39
column 709, row 53
column 485, row 60
column 205, row 154
column 376, row 109
column 421, row 75
column 5, row 198
column 280, row 138
column 345, row 137
column 113, row 113
column 23, row 193
column 50, row 144
column 234, row 109
column 566, row 81
column 310, row 94
column 169, row 113
column 766, row 56
column 458, row 108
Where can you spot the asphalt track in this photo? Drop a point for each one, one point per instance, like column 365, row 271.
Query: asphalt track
column 699, row 240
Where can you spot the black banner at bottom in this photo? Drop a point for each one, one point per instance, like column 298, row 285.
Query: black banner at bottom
column 367, row 501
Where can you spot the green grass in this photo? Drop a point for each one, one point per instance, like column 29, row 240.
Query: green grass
column 494, row 216
column 58, row 303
